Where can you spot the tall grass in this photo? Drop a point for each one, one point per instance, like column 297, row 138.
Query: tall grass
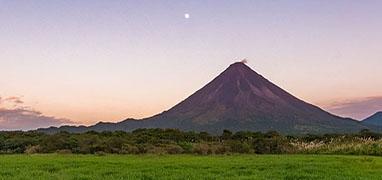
column 342, row 145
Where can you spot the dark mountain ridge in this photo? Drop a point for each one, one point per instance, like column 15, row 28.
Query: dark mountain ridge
column 239, row 99
column 375, row 119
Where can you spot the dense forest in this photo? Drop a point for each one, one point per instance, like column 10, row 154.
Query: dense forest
column 172, row 141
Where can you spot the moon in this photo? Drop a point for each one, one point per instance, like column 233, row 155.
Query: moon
column 186, row 15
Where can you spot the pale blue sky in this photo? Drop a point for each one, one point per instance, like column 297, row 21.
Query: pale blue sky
column 107, row 60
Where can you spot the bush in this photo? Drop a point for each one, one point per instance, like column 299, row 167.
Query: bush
column 129, row 149
column 149, row 148
column 201, row 149
column 240, row 147
column 221, row 149
column 156, row 150
column 186, row 146
column 33, row 149
column 174, row 149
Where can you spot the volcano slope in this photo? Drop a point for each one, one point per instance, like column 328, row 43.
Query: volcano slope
column 239, row 99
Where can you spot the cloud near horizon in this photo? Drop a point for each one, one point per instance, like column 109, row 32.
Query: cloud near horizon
column 14, row 115
column 357, row 108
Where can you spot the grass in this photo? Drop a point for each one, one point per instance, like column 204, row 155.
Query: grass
column 53, row 166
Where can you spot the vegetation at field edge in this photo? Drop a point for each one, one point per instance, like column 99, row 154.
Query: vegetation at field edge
column 172, row 141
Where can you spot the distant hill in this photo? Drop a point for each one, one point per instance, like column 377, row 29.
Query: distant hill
column 375, row 119
column 239, row 99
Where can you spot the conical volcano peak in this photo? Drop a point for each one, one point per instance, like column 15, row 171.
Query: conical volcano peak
column 239, row 99
column 239, row 64
column 239, row 67
column 239, row 70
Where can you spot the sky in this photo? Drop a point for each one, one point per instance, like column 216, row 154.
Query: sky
column 81, row 62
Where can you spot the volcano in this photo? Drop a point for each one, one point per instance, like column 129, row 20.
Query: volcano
column 239, row 99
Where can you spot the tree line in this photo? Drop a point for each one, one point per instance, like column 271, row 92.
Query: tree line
column 173, row 141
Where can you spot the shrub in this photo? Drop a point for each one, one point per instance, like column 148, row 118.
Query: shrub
column 156, row 150
column 129, row 149
column 174, row 149
column 221, row 149
column 240, row 147
column 186, row 146
column 149, row 148
column 33, row 149
column 201, row 149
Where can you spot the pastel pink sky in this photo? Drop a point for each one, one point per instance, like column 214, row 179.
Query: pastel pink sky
column 87, row 61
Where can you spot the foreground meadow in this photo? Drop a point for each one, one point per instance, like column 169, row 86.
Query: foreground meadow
column 53, row 166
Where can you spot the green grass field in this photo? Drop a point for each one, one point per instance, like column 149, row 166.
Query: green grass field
column 51, row 166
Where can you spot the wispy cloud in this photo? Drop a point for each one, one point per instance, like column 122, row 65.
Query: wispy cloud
column 14, row 99
column 359, row 108
column 14, row 115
